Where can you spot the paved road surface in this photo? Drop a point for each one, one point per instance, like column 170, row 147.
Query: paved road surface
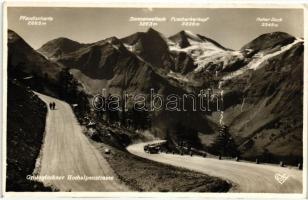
column 248, row 177
column 67, row 151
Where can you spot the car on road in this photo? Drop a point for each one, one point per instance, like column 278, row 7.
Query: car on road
column 152, row 149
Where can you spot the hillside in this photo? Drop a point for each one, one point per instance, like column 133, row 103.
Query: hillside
column 23, row 59
column 24, row 137
column 107, row 61
column 55, row 48
column 257, row 81
column 274, row 91
column 108, row 64
column 151, row 46
column 269, row 41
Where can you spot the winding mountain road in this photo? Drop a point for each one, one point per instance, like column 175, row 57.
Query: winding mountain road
column 247, row 177
column 67, row 151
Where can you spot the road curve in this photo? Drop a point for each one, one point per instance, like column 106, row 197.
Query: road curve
column 67, row 151
column 247, row 177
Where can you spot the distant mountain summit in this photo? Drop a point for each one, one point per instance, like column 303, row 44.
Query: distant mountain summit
column 269, row 41
column 206, row 54
column 186, row 38
column 182, row 38
column 15, row 39
column 151, row 46
column 108, row 63
column 23, row 60
column 57, row 47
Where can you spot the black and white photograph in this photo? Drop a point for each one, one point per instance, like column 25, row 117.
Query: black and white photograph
column 191, row 100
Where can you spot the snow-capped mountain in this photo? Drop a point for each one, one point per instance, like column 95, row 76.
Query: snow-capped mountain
column 206, row 53
column 262, row 82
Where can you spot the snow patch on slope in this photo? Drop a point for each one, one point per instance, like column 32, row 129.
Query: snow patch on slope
column 192, row 36
column 258, row 60
column 129, row 47
column 205, row 53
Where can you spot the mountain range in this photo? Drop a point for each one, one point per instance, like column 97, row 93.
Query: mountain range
column 262, row 82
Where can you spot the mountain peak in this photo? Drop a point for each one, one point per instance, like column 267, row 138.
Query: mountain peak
column 154, row 33
column 12, row 33
column 61, row 41
column 151, row 29
column 150, row 34
column 269, row 40
column 33, row 63
column 15, row 39
column 184, row 37
column 190, row 34
column 187, row 34
column 13, row 36
column 142, row 36
column 62, row 44
column 111, row 40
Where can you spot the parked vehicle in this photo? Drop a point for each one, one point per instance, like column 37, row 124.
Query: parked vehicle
column 151, row 149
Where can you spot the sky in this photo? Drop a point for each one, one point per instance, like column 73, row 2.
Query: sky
column 231, row 27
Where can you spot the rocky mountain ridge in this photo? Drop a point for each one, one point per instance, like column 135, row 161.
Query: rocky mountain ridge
column 261, row 79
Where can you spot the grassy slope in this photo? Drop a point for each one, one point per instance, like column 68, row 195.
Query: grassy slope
column 26, row 115
column 271, row 118
column 142, row 174
column 145, row 175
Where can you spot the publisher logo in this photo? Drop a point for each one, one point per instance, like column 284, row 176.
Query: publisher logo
column 281, row 178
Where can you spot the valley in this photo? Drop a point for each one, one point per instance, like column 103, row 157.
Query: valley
column 260, row 89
